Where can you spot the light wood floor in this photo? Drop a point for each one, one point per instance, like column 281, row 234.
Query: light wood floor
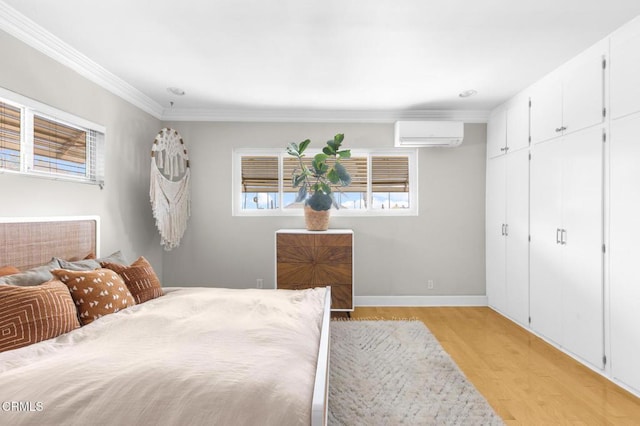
column 525, row 380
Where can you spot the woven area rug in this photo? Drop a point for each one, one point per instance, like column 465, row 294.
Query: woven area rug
column 396, row 372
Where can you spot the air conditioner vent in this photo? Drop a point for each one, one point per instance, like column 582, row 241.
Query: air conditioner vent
column 446, row 134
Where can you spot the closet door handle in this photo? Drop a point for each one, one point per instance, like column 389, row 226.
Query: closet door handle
column 502, row 230
column 558, row 129
column 506, row 229
column 563, row 237
column 558, row 231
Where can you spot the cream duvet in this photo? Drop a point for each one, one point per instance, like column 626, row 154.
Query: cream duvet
column 196, row 356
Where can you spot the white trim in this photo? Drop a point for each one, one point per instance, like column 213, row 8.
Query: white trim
column 27, row 31
column 29, row 108
column 299, row 115
column 320, row 398
column 420, row 301
column 50, row 112
column 236, row 183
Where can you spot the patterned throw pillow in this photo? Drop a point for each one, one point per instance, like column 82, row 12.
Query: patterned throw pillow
column 32, row 314
column 140, row 278
column 96, row 293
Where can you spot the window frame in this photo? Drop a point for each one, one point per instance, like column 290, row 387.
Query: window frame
column 410, row 153
column 29, row 109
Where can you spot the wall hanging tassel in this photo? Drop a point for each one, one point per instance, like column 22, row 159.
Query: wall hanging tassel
column 170, row 187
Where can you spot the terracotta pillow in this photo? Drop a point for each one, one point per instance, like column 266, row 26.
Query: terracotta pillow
column 96, row 293
column 140, row 278
column 8, row 270
column 32, row 314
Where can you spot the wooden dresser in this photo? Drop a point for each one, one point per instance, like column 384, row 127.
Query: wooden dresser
column 307, row 259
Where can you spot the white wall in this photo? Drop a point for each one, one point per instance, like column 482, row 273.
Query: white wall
column 123, row 205
column 393, row 255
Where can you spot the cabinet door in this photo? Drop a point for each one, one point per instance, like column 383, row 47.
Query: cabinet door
column 517, row 250
column 497, row 133
column 546, row 108
column 545, row 251
column 624, row 250
column 583, row 91
column 625, row 71
column 495, row 240
column 581, row 278
column 518, row 123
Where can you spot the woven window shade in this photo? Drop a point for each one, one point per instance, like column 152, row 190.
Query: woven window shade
column 356, row 166
column 10, row 119
column 59, row 148
column 259, row 174
column 389, row 174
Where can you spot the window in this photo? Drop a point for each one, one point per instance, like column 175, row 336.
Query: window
column 38, row 140
column 382, row 183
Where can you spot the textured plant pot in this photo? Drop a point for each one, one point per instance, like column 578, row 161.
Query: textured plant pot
column 316, row 220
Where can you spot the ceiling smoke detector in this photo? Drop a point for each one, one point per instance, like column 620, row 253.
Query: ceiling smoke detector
column 176, row 91
column 467, row 93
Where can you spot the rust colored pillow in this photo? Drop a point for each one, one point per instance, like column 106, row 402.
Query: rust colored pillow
column 96, row 293
column 35, row 313
column 8, row 270
column 140, row 278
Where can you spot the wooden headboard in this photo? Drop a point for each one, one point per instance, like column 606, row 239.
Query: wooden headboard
column 29, row 242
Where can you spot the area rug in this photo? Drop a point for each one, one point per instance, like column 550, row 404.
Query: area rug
column 396, row 372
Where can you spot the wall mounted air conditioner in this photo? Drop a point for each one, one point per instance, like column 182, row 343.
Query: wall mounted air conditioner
column 429, row 133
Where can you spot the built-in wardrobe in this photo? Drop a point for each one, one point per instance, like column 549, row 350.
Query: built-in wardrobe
column 563, row 207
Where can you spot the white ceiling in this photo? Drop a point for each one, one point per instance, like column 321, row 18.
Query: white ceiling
column 326, row 55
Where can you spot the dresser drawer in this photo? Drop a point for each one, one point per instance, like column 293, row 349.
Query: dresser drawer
column 310, row 259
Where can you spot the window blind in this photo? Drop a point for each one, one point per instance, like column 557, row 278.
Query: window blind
column 356, row 166
column 58, row 148
column 390, row 174
column 10, row 128
column 259, row 174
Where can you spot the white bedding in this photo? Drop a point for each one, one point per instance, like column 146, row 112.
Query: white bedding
column 196, row 356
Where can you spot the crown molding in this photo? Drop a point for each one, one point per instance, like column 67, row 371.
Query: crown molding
column 322, row 116
column 27, row 31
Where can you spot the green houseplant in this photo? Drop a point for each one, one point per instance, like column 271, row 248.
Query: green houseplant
column 316, row 183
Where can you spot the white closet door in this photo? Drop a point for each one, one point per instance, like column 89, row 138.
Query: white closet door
column 582, row 280
column 497, row 133
column 517, row 266
column 495, row 241
column 546, row 108
column 545, row 251
column 583, row 90
column 624, row 250
column 518, row 123
column 625, row 71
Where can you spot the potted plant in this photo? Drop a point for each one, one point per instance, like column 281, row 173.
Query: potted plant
column 316, row 182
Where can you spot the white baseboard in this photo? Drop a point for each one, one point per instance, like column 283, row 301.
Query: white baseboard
column 420, row 301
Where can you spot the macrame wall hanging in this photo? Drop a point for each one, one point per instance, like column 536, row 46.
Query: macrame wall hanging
column 170, row 188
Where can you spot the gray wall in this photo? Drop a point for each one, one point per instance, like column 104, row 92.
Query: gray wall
column 123, row 205
column 393, row 255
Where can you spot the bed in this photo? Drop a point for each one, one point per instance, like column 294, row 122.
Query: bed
column 192, row 356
